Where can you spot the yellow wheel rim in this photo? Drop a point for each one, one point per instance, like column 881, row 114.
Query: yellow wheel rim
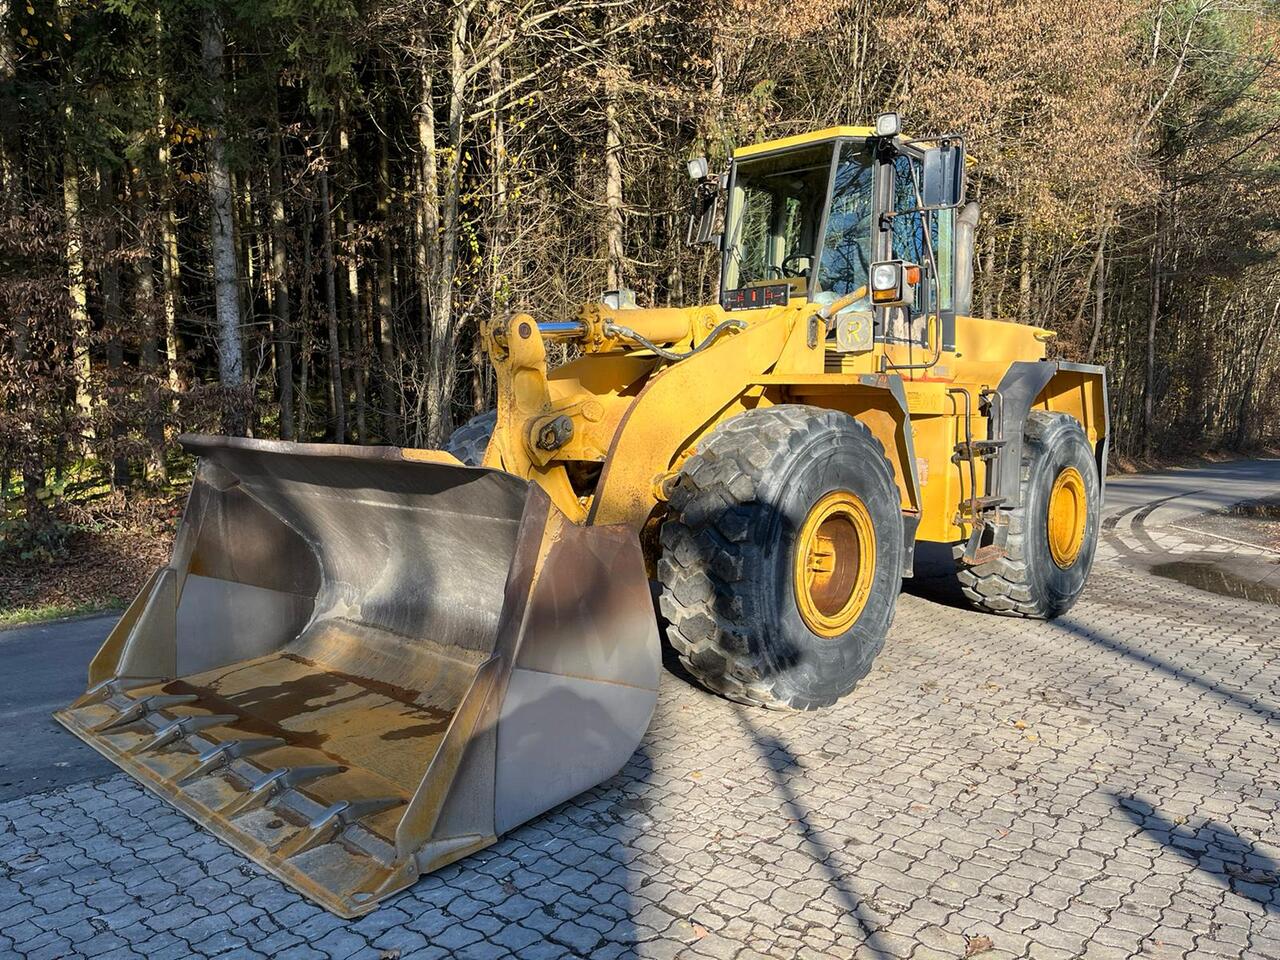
column 1068, row 513
column 835, row 562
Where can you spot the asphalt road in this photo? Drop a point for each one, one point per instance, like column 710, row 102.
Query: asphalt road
column 1182, row 494
column 43, row 668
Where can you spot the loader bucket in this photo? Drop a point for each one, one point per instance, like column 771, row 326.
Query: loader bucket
column 362, row 664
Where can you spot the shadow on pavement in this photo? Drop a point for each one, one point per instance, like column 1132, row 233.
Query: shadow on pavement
column 1238, row 698
column 935, row 577
column 779, row 759
column 1214, row 849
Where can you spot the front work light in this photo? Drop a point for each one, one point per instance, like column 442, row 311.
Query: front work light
column 888, row 125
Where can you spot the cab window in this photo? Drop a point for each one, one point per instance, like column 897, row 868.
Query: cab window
column 775, row 213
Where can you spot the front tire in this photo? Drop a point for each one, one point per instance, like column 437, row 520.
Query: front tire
column 1052, row 535
column 781, row 557
column 470, row 441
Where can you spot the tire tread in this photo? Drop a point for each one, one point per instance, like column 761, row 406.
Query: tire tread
column 709, row 516
column 1003, row 586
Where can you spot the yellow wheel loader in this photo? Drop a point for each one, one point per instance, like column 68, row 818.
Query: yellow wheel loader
column 364, row 663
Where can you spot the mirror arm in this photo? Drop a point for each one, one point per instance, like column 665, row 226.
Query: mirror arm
column 933, row 320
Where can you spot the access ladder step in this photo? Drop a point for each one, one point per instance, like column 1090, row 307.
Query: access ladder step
column 978, row 449
column 981, row 504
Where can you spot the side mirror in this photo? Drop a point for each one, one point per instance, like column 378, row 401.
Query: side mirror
column 942, row 175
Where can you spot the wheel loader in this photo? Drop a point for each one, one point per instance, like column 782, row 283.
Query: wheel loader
column 362, row 663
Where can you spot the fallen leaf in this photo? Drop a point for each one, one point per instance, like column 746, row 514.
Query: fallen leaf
column 699, row 931
column 976, row 945
column 1033, row 737
column 696, row 774
column 1019, row 724
column 389, row 955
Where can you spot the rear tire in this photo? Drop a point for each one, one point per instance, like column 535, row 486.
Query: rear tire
column 1045, row 566
column 781, row 557
column 469, row 442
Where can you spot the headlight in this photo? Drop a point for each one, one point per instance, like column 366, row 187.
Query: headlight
column 884, row 276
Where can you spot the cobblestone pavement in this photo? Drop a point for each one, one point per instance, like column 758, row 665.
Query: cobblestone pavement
column 1106, row 785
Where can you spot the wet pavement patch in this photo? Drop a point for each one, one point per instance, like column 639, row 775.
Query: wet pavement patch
column 1242, row 579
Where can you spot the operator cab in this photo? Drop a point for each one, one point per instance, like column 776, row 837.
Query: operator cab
column 809, row 216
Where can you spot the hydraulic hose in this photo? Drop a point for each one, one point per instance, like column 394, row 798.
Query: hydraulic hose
column 626, row 333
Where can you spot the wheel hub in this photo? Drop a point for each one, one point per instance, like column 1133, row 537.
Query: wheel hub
column 1068, row 513
column 835, row 563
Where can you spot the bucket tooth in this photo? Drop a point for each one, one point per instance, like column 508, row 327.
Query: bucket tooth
column 331, row 821
column 180, row 729
column 107, row 689
column 222, row 754
column 265, row 788
column 141, row 708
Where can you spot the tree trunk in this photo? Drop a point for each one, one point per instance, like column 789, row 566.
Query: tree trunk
column 386, row 331
column 615, row 274
column 989, row 275
column 443, row 363
column 1149, row 387
column 283, row 332
column 1099, row 298
column 113, row 322
column 30, row 455
column 306, row 285
column 81, row 332
column 222, row 241
column 427, row 254
column 1077, row 325
column 151, row 311
column 1024, row 279
column 337, row 392
column 35, row 512
column 499, row 282
column 169, row 266
column 242, row 218
column 345, row 219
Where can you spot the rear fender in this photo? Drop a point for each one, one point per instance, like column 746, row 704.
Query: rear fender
column 1077, row 389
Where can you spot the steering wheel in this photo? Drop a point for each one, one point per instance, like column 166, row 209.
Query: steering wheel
column 790, row 271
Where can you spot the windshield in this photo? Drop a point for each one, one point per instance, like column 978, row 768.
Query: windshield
column 846, row 248
column 775, row 213
column 775, row 222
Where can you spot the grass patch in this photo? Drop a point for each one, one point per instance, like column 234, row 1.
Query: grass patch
column 54, row 611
